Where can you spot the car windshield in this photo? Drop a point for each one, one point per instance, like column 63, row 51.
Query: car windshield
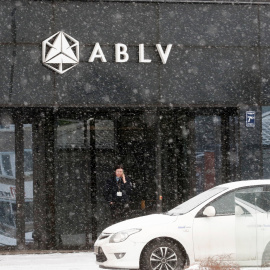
column 195, row 201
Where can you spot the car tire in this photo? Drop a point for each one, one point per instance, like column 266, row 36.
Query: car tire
column 162, row 254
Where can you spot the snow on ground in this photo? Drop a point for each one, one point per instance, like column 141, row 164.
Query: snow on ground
column 62, row 261
column 55, row 261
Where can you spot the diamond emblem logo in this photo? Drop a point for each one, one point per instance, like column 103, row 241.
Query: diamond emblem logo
column 60, row 52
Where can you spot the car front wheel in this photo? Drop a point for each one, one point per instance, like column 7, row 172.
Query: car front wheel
column 162, row 255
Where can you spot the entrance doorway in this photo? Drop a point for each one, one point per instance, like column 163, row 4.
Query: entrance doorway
column 87, row 148
column 56, row 164
column 85, row 151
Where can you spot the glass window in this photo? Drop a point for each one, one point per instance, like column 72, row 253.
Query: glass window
column 7, row 164
column 14, row 207
column 257, row 201
column 1, row 170
column 6, row 216
column 225, row 205
column 73, row 165
column 104, row 131
column 28, row 161
column 70, row 134
column 208, row 152
column 28, row 183
column 266, row 141
column 29, row 211
column 71, row 168
column 7, row 182
column 262, row 201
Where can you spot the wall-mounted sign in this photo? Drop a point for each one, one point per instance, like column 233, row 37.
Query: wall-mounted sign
column 250, row 119
column 60, row 52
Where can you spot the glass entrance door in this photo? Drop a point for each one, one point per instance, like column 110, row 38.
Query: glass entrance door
column 71, row 182
column 85, row 154
column 87, row 148
column 199, row 150
column 216, row 148
column 208, row 152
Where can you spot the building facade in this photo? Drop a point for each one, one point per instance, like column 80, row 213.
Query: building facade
column 85, row 85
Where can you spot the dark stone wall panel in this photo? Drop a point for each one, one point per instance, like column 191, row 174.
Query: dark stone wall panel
column 217, row 25
column 34, row 21
column 264, row 25
column 108, row 23
column 33, row 82
column 211, row 76
column 194, row 73
column 6, row 27
column 108, row 84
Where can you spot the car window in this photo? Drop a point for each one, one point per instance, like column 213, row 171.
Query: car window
column 263, row 200
column 225, row 205
column 256, row 201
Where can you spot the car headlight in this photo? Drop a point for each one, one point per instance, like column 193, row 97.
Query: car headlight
column 123, row 235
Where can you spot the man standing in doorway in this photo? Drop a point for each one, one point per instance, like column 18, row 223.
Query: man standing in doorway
column 116, row 192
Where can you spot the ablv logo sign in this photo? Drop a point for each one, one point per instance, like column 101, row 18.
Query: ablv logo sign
column 60, row 52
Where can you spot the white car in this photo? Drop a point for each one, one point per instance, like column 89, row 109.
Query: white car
column 230, row 221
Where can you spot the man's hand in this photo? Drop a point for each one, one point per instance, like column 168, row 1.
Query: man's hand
column 111, row 203
column 124, row 179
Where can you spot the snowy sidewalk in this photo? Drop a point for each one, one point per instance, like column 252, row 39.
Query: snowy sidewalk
column 61, row 261
column 55, row 261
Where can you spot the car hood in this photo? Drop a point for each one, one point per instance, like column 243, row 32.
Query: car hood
column 141, row 222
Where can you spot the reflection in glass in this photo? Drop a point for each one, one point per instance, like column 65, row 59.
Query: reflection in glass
column 266, row 141
column 70, row 134
column 208, row 152
column 6, row 162
column 7, row 185
column 28, row 183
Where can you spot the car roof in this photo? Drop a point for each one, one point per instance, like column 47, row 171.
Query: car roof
column 245, row 183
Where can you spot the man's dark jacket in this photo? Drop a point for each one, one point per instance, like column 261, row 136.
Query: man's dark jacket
column 112, row 187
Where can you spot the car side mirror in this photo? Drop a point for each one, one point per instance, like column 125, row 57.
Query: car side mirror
column 209, row 211
column 239, row 210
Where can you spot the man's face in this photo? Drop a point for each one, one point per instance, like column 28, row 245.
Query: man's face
column 119, row 172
